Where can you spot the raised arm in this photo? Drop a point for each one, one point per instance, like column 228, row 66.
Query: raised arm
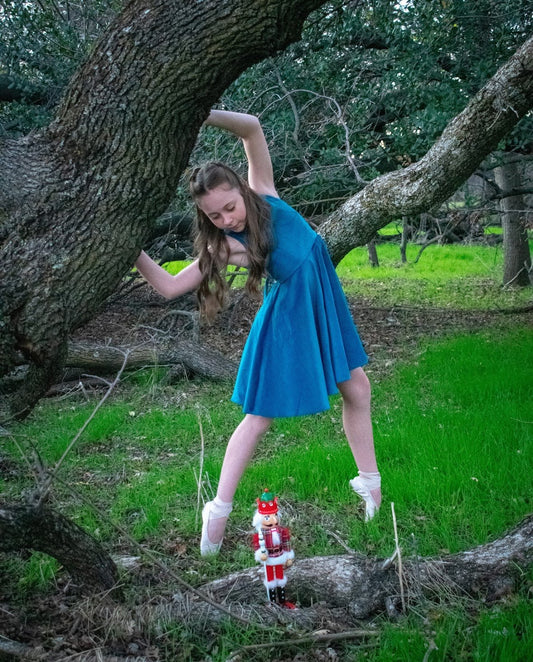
column 166, row 284
column 248, row 128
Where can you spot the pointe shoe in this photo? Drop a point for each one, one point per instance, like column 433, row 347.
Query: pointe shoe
column 212, row 510
column 362, row 485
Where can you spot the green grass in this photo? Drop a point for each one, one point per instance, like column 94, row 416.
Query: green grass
column 501, row 634
column 453, row 428
column 453, row 433
column 450, row 276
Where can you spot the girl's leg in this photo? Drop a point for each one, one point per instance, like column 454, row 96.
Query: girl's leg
column 238, row 454
column 357, row 422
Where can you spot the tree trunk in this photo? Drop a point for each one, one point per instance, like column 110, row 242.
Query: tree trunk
column 77, row 200
column 373, row 253
column 45, row 530
column 516, row 254
column 404, row 240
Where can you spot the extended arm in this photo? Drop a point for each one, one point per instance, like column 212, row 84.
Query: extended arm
column 166, row 284
column 248, row 128
column 187, row 279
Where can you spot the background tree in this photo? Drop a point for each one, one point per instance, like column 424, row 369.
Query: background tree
column 509, row 176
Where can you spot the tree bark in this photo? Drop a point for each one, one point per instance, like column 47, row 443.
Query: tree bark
column 77, row 200
column 465, row 142
column 516, row 254
column 45, row 530
column 373, row 253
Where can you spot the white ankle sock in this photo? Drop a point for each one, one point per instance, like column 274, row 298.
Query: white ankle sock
column 213, row 511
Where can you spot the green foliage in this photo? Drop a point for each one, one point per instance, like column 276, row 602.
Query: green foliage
column 43, row 43
column 20, row 118
column 390, row 76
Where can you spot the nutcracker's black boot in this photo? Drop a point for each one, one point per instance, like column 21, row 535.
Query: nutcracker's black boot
column 282, row 601
column 272, row 594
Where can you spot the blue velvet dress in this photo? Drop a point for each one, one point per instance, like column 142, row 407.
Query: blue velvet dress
column 303, row 341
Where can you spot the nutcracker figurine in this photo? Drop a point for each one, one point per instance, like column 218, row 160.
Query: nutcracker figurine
column 271, row 543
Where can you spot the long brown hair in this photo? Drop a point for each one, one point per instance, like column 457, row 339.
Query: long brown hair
column 210, row 242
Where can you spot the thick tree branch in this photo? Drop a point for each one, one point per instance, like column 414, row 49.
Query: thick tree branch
column 95, row 180
column 363, row 586
column 43, row 529
column 466, row 141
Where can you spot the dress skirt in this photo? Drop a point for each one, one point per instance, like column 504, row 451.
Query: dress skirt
column 302, row 343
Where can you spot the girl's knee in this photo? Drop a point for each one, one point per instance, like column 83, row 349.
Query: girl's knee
column 258, row 425
column 357, row 389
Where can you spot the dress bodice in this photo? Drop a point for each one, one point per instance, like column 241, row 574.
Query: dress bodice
column 293, row 239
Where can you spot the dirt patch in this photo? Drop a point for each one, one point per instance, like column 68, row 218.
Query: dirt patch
column 388, row 333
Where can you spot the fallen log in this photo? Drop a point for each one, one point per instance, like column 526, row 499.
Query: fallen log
column 195, row 358
column 362, row 586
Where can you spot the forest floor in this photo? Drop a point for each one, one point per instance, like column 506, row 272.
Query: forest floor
column 388, row 332
column 63, row 620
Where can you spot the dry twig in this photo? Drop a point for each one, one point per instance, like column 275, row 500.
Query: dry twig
column 311, row 639
column 201, row 469
column 399, row 555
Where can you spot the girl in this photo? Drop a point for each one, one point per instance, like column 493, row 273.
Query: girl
column 303, row 344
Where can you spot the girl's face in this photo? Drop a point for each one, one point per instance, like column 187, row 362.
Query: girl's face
column 225, row 208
